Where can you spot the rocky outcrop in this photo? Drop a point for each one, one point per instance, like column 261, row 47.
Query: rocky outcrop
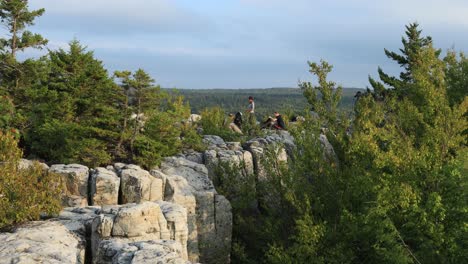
column 178, row 191
column 75, row 183
column 138, row 185
column 272, row 148
column 116, row 251
column 104, row 187
column 172, row 214
column 220, row 154
column 42, row 242
column 210, row 224
column 176, row 217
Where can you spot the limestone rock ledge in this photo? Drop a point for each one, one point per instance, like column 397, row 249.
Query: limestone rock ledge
column 42, row 242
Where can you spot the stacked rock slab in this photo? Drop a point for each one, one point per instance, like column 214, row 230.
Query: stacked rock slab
column 213, row 217
column 104, row 187
column 138, row 185
column 75, row 183
column 42, row 242
column 220, row 153
column 116, row 251
column 178, row 191
column 169, row 215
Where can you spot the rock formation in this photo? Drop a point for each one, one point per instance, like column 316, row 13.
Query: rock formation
column 42, row 242
column 75, row 183
column 125, row 214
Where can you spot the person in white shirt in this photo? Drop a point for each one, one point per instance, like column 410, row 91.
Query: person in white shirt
column 252, row 121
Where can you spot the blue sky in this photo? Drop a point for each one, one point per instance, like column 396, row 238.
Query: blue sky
column 248, row 43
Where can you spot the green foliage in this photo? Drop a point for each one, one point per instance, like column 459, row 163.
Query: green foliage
column 215, row 121
column 325, row 97
column 25, row 193
column 397, row 191
column 76, row 114
column 456, row 77
column 413, row 44
column 155, row 122
column 16, row 17
column 6, row 112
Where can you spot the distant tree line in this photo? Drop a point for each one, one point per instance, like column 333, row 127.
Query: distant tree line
column 289, row 101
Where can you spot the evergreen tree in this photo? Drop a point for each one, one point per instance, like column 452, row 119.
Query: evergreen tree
column 76, row 111
column 16, row 16
column 16, row 77
column 413, row 44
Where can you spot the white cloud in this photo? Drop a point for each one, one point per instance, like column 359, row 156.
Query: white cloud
column 111, row 15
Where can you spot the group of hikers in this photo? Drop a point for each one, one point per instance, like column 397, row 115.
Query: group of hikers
column 236, row 121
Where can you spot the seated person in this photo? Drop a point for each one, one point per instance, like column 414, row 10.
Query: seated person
column 279, row 124
column 235, row 122
column 238, row 120
column 268, row 124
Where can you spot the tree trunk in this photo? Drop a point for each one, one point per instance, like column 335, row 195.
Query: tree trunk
column 14, row 37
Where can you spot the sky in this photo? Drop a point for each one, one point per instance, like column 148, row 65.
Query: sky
column 247, row 43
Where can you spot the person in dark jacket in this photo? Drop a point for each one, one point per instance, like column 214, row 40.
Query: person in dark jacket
column 279, row 124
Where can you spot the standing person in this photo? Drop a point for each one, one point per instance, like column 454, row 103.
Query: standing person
column 279, row 124
column 251, row 113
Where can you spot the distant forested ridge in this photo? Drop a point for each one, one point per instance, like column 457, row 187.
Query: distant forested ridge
column 289, row 100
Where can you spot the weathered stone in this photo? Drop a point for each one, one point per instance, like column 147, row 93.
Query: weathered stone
column 274, row 144
column 213, row 142
column 210, row 230
column 194, row 156
column 42, row 242
column 176, row 217
column 178, row 191
column 234, row 145
column 119, row 166
column 104, row 187
column 78, row 219
column 329, row 152
column 118, row 251
column 140, row 222
column 75, row 183
column 195, row 174
column 25, row 164
column 138, row 185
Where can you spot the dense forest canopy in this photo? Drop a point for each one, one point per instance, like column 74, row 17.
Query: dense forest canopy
column 392, row 189
column 284, row 100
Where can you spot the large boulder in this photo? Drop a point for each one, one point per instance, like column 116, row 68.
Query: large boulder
column 104, row 189
column 118, row 251
column 75, row 183
column 138, row 185
column 140, row 222
column 213, row 211
column 42, row 242
column 145, row 221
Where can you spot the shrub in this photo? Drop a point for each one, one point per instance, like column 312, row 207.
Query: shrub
column 25, row 193
column 214, row 122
